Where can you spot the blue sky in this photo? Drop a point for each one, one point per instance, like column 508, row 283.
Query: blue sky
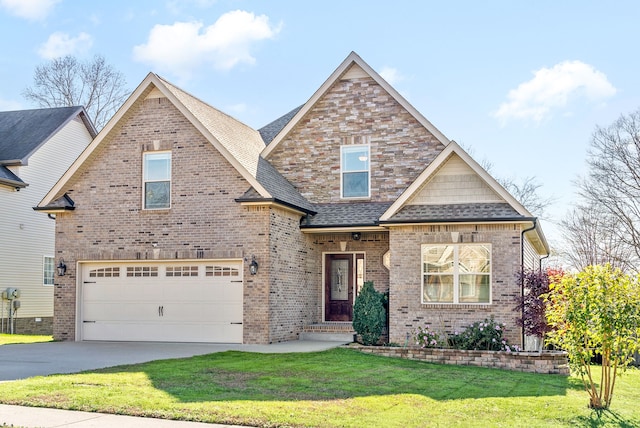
column 522, row 84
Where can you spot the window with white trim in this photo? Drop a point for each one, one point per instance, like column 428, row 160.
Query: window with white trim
column 456, row 273
column 48, row 270
column 355, row 171
column 157, row 180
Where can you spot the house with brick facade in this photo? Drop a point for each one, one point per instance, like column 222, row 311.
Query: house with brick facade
column 180, row 223
column 36, row 147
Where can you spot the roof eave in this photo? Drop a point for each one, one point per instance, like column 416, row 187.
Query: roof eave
column 342, row 228
column 53, row 210
column 263, row 201
column 459, row 220
column 13, row 183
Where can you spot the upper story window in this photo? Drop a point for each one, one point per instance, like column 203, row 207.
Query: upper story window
column 459, row 273
column 157, row 180
column 355, row 171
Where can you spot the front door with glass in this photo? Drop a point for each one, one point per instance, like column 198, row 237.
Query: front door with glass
column 342, row 273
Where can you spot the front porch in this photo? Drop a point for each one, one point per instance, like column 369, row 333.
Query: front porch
column 341, row 331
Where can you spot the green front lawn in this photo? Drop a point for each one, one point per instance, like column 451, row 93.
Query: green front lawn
column 336, row 388
column 6, row 339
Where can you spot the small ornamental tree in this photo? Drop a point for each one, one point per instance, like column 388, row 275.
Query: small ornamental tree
column 596, row 311
column 369, row 316
column 531, row 305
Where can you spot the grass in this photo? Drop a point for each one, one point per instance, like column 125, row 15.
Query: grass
column 336, row 388
column 7, row 339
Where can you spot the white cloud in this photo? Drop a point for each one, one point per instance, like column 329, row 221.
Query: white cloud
column 391, row 75
column 552, row 89
column 183, row 46
column 33, row 10
column 61, row 44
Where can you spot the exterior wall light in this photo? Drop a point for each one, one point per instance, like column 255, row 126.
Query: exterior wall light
column 253, row 266
column 356, row 236
column 62, row 268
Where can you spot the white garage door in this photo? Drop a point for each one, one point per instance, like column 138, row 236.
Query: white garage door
column 162, row 301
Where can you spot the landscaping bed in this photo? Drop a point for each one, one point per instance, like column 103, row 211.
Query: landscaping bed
column 551, row 362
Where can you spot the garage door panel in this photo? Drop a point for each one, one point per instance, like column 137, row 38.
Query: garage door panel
column 119, row 331
column 218, row 313
column 163, row 301
column 104, row 311
column 120, row 292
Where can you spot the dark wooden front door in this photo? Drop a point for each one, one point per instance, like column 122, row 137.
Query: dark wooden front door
column 338, row 301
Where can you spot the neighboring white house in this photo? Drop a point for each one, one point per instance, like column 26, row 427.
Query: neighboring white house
column 36, row 148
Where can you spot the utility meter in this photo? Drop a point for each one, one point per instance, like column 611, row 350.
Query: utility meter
column 11, row 293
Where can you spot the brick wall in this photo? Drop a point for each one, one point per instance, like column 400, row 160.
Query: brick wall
column 372, row 244
column 293, row 297
column 531, row 362
column 31, row 325
column 406, row 310
column 204, row 220
column 400, row 146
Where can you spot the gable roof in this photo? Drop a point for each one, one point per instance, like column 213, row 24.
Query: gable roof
column 238, row 143
column 430, row 171
column 23, row 132
column 351, row 60
column 503, row 208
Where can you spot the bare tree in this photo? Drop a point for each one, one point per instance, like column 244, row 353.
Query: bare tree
column 590, row 239
column 65, row 82
column 613, row 180
column 526, row 191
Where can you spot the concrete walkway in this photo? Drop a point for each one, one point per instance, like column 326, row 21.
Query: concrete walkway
column 41, row 359
column 19, row 416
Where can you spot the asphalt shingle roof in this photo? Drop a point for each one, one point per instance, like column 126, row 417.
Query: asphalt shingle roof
column 8, row 177
column 269, row 131
column 22, row 132
column 455, row 212
column 241, row 141
column 244, row 144
column 347, row 214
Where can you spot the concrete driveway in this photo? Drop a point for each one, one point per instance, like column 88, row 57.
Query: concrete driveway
column 39, row 359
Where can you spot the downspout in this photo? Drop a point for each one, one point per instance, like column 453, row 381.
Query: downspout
column 540, row 261
column 535, row 222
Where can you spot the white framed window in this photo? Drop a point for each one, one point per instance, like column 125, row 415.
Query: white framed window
column 48, row 270
column 456, row 273
column 157, row 180
column 355, row 171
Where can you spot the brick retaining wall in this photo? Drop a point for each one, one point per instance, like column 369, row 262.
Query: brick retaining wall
column 532, row 362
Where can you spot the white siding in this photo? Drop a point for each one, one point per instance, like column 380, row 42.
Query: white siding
column 27, row 235
column 531, row 257
column 455, row 183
